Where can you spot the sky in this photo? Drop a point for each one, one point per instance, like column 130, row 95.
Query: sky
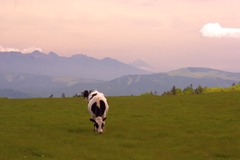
column 166, row 34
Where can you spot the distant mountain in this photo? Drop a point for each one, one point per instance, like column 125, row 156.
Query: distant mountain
column 31, row 83
column 142, row 65
column 79, row 65
column 205, row 72
column 159, row 82
column 134, row 82
column 9, row 93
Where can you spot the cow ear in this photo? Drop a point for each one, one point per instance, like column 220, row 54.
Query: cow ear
column 92, row 120
column 104, row 118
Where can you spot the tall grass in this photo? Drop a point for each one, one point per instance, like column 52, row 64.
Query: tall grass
column 205, row 126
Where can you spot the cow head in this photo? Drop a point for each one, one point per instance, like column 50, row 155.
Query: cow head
column 99, row 123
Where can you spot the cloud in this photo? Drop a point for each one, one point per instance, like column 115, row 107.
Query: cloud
column 8, row 49
column 215, row 30
column 26, row 50
column 31, row 49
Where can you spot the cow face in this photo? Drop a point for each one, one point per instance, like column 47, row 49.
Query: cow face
column 99, row 123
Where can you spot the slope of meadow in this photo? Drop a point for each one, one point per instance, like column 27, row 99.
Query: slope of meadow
column 137, row 127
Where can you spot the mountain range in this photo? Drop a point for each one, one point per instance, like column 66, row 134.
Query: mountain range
column 9, row 93
column 157, row 82
column 35, row 75
column 78, row 65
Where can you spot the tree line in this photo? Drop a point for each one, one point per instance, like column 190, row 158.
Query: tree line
column 189, row 90
column 199, row 90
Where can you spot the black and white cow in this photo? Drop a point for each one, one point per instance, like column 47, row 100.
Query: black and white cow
column 86, row 94
column 98, row 108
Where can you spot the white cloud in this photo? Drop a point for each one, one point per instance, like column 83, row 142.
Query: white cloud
column 31, row 49
column 26, row 50
column 215, row 30
column 2, row 49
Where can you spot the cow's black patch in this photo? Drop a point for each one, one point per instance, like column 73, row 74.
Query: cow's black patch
column 98, row 111
column 93, row 96
column 96, row 125
column 92, row 120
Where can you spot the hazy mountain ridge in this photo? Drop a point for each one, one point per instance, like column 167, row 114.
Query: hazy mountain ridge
column 138, row 84
column 43, row 86
column 75, row 66
column 142, row 65
column 139, row 63
column 10, row 93
column 205, row 72
column 38, row 84
column 31, row 83
column 159, row 82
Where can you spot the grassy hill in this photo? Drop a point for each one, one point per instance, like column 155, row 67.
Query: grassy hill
column 205, row 126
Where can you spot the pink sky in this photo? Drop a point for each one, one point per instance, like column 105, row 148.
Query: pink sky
column 166, row 34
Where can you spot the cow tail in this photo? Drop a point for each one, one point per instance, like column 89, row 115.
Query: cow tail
column 98, row 101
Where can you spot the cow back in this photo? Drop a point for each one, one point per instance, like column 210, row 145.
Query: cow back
column 98, row 110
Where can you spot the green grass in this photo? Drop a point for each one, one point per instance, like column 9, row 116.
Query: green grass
column 205, row 126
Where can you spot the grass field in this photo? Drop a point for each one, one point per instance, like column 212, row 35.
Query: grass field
column 205, row 126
